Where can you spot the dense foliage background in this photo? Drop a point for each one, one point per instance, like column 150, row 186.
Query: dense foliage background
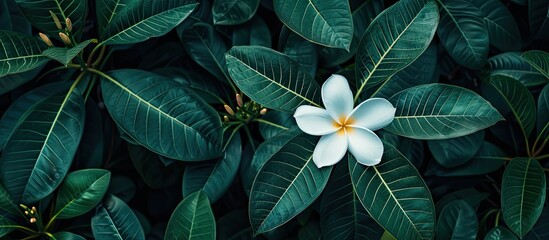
column 172, row 119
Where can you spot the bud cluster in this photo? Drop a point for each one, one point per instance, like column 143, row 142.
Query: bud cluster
column 245, row 111
column 63, row 34
column 31, row 213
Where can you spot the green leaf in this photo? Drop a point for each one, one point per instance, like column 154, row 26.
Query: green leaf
column 192, row 219
column 500, row 233
column 342, row 216
column 327, row 22
column 68, row 236
column 299, row 50
column 254, row 32
column 457, row 221
column 456, row 151
column 20, row 53
column 233, row 12
column 207, row 48
column 141, row 20
column 6, row 226
column 162, row 115
column 151, row 169
column 12, row 81
column 80, row 192
column 470, row 195
column 231, row 226
column 122, row 187
column 91, row 148
column 287, row 184
column 421, row 71
column 487, row 159
column 6, row 202
column 65, row 55
column 106, row 10
column 271, row 78
column 39, row 153
column 542, row 114
column 440, row 111
column 512, row 65
column 38, row 13
column 216, row 176
column 281, row 119
column 539, row 231
column 311, row 231
column 115, row 220
column 537, row 15
column 539, row 60
column 394, row 40
column 518, row 98
column 502, row 28
column 463, row 33
column 22, row 106
column 522, row 194
column 210, row 91
column 395, row 195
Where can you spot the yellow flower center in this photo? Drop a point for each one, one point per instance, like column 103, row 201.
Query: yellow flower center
column 343, row 125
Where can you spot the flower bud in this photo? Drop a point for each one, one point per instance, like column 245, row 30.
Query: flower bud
column 56, row 20
column 32, row 220
column 239, row 100
column 68, row 23
column 33, row 209
column 26, row 212
column 46, row 39
column 229, row 110
column 65, row 38
column 263, row 111
column 225, row 119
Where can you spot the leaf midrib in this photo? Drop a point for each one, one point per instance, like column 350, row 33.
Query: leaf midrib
column 79, row 195
column 459, row 28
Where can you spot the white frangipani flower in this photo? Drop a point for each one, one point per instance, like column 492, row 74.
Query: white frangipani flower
column 343, row 127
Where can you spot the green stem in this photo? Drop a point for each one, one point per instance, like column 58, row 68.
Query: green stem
column 100, row 57
column 90, row 88
column 497, row 219
column 250, row 138
column 542, row 157
column 231, row 136
column 31, row 237
column 270, row 123
column 21, row 228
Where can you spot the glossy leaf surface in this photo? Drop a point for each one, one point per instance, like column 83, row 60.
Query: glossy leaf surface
column 457, row 221
column 233, row 12
column 192, row 219
column 20, row 53
column 65, row 55
column 512, row 65
column 503, row 30
column 115, row 220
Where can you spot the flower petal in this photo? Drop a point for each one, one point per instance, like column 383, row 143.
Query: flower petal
column 314, row 121
column 330, row 149
column 337, row 97
column 373, row 114
column 365, row 146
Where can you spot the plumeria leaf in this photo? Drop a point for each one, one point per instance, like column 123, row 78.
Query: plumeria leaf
column 141, row 20
column 394, row 40
column 233, row 12
column 20, row 53
column 299, row 49
column 272, row 79
column 457, row 221
column 523, row 191
column 503, row 31
column 512, row 65
column 68, row 236
column 324, row 22
column 254, row 32
column 114, row 219
column 500, row 233
column 440, row 111
column 6, row 226
column 385, row 190
column 286, row 184
column 463, row 33
column 539, row 60
column 159, row 100
column 456, row 151
column 543, row 114
column 43, row 147
column 192, row 219
column 537, row 15
column 151, row 168
column 281, row 120
column 471, row 196
column 65, row 55
column 6, row 201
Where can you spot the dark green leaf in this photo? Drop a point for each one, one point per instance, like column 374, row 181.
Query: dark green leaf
column 522, row 194
column 539, row 60
column 281, row 119
column 210, row 91
column 6, row 226
column 543, row 113
column 512, row 65
column 421, row 71
column 537, row 14
column 470, row 195
column 162, row 115
column 395, row 195
column 151, row 169
column 271, row 79
column 20, row 53
column 488, row 159
column 40, row 151
column 539, row 231
column 141, row 20
column 327, row 22
column 122, row 187
column 38, row 13
column 287, row 184
column 231, row 226
column 91, row 148
column 233, row 12
column 311, row 231
column 206, row 47
column 115, row 220
column 106, row 10
column 456, row 151
column 22, row 106
column 6, row 202
column 299, row 50
column 394, row 40
column 192, row 219
column 502, row 28
column 80, row 192
column 342, row 216
column 457, row 221
column 12, row 81
column 519, row 100
column 216, row 176
column 500, row 233
column 440, row 111
column 463, row 33
column 254, row 32
column 65, row 55
column 68, row 236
